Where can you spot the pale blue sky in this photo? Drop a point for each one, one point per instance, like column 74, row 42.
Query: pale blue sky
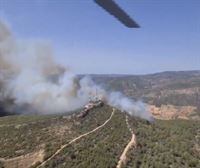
column 89, row 40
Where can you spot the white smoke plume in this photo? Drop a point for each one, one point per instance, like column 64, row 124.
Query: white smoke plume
column 123, row 103
column 32, row 79
column 34, row 82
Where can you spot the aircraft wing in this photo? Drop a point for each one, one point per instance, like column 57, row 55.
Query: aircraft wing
column 111, row 7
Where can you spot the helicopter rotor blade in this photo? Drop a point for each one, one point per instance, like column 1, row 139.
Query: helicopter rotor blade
column 111, row 7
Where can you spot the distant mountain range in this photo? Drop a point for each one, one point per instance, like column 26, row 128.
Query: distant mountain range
column 177, row 91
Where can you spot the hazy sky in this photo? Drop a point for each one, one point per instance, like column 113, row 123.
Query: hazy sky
column 90, row 40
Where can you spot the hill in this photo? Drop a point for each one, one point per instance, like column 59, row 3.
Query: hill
column 169, row 95
column 97, row 140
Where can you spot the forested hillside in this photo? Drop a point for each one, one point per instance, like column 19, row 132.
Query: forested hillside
column 29, row 141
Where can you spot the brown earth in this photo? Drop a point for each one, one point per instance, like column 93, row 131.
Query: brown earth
column 168, row 112
column 24, row 161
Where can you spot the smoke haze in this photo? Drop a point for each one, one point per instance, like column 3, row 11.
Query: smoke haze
column 34, row 82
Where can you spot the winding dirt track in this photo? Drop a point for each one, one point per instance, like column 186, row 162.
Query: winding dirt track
column 132, row 143
column 75, row 139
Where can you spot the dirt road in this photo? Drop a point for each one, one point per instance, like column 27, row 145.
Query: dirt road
column 132, row 143
column 75, row 139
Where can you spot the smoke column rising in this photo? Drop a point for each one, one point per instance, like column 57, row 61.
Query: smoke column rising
column 34, row 82
column 31, row 77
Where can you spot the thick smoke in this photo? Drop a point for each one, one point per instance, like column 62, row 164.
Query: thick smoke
column 30, row 77
column 123, row 103
column 32, row 81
